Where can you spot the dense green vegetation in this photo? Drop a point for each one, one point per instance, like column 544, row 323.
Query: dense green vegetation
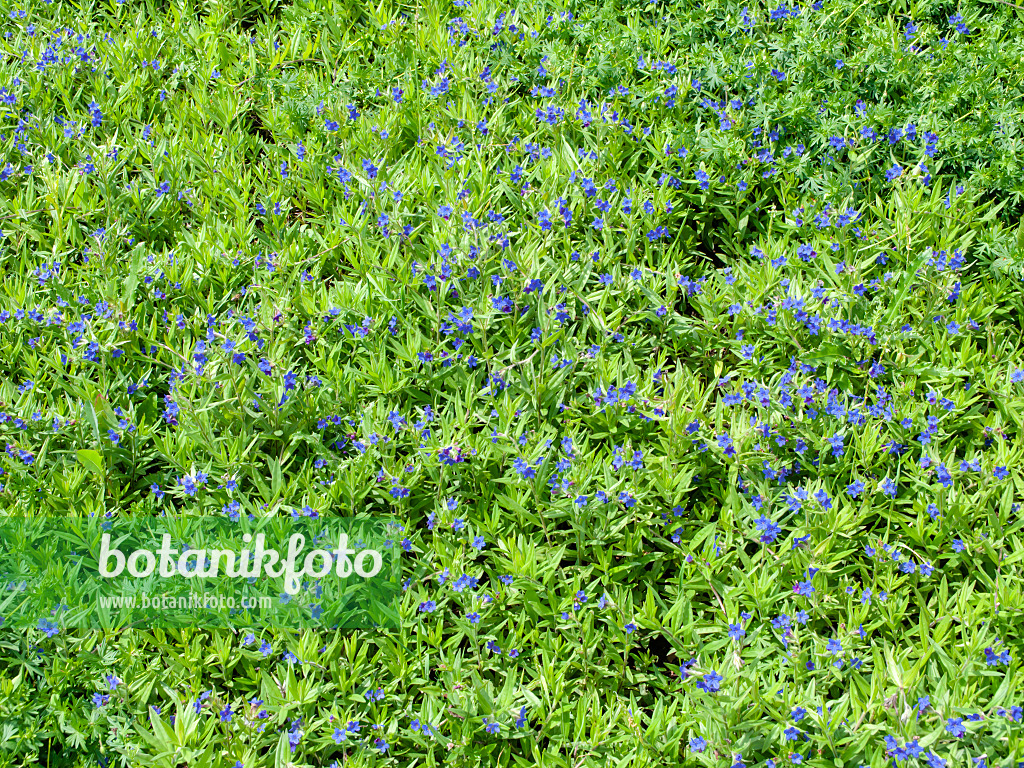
column 682, row 340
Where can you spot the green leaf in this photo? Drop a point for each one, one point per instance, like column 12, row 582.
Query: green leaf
column 283, row 753
column 91, row 460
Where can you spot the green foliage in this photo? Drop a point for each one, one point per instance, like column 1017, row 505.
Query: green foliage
column 697, row 356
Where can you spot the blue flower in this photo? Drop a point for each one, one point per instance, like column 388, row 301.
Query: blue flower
column 523, row 468
column 769, row 530
column 710, row 682
column 893, row 173
column 48, row 627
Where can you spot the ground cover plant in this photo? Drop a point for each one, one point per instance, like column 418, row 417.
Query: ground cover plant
column 682, row 340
